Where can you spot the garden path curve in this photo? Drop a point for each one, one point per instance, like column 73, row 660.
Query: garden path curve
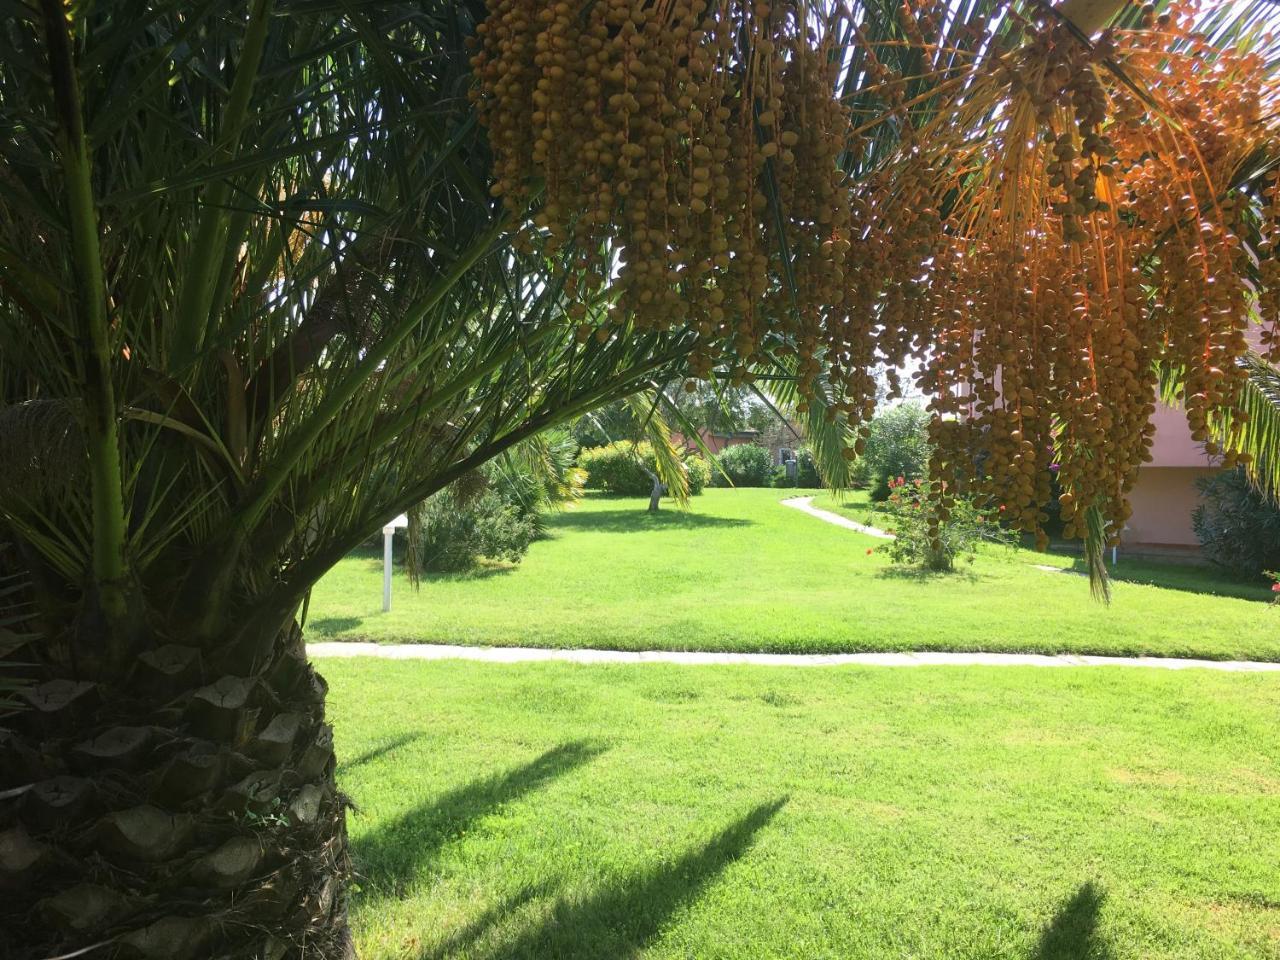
column 805, row 504
column 437, row 651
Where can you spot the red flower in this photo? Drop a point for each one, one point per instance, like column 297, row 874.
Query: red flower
column 869, row 554
column 1275, row 587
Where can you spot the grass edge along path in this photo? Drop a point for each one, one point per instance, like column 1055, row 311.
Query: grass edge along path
column 513, row 655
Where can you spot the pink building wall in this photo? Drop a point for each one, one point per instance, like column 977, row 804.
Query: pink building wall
column 1165, row 495
column 714, row 442
column 1173, row 446
column 1163, row 500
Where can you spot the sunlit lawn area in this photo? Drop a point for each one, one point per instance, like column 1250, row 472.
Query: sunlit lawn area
column 739, row 571
column 571, row 812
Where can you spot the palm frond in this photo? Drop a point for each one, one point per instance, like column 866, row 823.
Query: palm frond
column 1254, row 438
column 647, row 408
column 826, row 429
column 1257, row 434
column 1095, row 554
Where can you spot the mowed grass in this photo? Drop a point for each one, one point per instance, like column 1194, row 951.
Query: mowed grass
column 655, row 811
column 739, row 571
column 1170, row 574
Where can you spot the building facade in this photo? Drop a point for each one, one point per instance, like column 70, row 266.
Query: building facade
column 1165, row 495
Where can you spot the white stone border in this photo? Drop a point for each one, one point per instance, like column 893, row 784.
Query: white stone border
column 805, row 504
column 435, row 651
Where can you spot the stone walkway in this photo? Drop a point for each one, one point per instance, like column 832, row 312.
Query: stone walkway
column 805, row 504
column 432, row 651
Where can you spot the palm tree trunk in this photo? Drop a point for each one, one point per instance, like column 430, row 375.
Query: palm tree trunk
column 184, row 809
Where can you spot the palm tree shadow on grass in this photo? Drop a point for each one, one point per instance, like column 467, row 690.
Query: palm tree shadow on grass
column 639, row 520
column 325, row 627
column 379, row 751
column 1195, row 578
column 1072, row 934
column 920, row 574
column 476, row 930
column 391, row 855
column 622, row 919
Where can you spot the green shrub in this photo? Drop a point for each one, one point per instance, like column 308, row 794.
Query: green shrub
column 620, row 468
column 699, row 474
column 860, row 473
column 923, row 538
column 617, row 468
column 457, row 531
column 897, row 446
column 538, row 476
column 746, row 465
column 806, row 473
column 1237, row 527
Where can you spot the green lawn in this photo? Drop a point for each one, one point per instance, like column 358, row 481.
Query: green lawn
column 1196, row 577
column 738, row 571
column 593, row 813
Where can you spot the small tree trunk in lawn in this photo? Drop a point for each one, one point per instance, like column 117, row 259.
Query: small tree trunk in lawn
column 655, row 495
column 184, row 809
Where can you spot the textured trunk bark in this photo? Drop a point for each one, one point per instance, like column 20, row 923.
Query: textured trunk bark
column 655, row 495
column 186, row 808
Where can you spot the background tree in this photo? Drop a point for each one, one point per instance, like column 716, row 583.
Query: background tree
column 715, row 407
column 897, row 446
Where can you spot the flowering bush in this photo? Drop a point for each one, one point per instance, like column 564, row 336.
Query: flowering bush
column 924, row 536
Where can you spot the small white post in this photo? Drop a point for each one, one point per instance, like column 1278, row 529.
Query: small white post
column 388, row 540
column 1115, row 550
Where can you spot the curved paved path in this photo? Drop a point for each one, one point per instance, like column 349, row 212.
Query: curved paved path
column 805, row 504
column 434, row 651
